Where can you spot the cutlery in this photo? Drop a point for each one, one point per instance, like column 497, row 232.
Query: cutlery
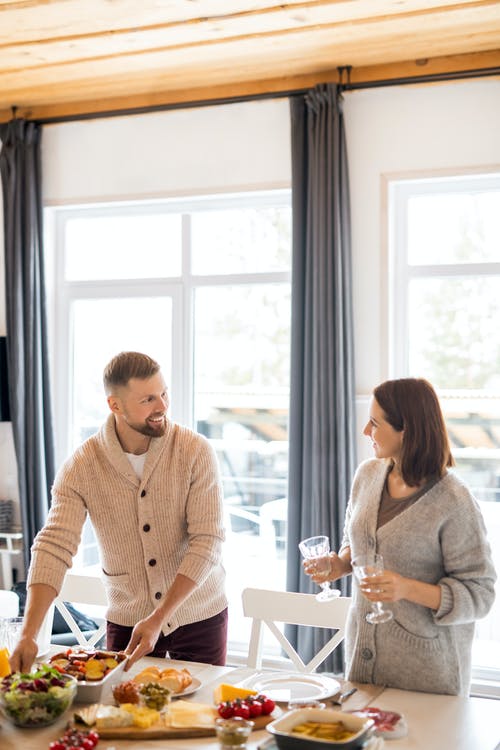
column 344, row 696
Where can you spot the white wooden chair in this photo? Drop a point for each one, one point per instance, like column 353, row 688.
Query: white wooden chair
column 81, row 588
column 267, row 607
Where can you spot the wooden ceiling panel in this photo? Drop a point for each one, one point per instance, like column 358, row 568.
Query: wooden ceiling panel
column 63, row 51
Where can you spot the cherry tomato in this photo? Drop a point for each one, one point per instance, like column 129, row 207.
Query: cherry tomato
column 87, row 744
column 268, row 704
column 255, row 707
column 225, row 709
column 93, row 736
column 241, row 709
column 57, row 745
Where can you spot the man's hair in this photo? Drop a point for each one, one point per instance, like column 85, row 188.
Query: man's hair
column 411, row 404
column 125, row 366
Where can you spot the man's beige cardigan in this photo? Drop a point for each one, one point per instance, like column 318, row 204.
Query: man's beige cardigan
column 148, row 530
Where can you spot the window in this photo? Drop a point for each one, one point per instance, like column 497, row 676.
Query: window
column 203, row 286
column 445, row 304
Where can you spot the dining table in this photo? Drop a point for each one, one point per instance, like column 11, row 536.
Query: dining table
column 434, row 722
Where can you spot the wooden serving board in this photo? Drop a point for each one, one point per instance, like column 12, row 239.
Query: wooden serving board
column 157, row 732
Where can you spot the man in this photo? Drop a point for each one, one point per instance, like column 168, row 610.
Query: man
column 153, row 493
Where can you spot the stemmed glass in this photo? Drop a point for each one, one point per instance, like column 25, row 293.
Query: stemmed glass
column 319, row 546
column 367, row 566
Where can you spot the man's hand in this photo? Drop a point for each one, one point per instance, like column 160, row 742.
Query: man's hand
column 143, row 638
column 23, row 655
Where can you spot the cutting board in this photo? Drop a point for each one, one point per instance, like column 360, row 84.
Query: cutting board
column 157, row 732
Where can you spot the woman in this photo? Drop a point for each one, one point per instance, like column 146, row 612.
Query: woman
column 439, row 576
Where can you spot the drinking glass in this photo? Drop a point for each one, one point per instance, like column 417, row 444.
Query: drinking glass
column 366, row 566
column 319, row 546
column 10, row 632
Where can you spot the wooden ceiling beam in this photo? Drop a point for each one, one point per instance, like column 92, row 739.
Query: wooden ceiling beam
column 157, row 100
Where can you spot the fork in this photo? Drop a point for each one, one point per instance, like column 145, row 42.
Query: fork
column 344, row 696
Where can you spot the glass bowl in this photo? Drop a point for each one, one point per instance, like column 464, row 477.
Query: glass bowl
column 36, row 699
column 233, row 732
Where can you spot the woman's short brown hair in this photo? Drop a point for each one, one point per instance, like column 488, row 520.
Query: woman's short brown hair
column 411, row 404
column 125, row 366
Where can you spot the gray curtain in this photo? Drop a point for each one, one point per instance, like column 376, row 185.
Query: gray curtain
column 31, row 415
column 322, row 418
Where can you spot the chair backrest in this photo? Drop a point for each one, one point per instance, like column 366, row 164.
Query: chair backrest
column 267, row 607
column 82, row 589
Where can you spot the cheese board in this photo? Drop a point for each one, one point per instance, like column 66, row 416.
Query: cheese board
column 162, row 731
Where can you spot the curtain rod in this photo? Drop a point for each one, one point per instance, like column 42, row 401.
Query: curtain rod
column 347, row 86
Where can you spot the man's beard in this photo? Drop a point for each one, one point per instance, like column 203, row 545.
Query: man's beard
column 144, row 428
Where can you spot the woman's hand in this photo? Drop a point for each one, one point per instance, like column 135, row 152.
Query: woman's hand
column 391, row 587
column 328, row 568
column 386, row 587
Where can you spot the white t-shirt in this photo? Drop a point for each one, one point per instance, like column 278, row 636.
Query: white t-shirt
column 137, row 462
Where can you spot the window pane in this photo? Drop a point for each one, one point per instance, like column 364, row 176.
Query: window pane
column 242, row 350
column 241, row 240
column 103, row 328
column 454, row 228
column 123, row 247
column 453, row 330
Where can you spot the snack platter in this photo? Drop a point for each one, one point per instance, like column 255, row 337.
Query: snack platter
column 162, row 731
column 150, row 706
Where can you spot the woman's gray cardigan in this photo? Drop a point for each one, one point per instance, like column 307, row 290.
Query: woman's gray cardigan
column 440, row 539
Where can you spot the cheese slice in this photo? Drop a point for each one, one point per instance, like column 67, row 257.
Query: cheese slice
column 189, row 714
column 225, row 692
column 111, row 716
column 142, row 716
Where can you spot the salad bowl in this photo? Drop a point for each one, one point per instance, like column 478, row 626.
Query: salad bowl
column 38, row 698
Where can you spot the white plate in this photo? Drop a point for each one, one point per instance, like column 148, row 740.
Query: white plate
column 195, row 684
column 296, row 687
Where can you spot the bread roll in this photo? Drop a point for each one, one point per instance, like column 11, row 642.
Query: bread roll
column 176, row 680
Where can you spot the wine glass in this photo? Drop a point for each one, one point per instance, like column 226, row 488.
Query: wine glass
column 319, row 546
column 366, row 566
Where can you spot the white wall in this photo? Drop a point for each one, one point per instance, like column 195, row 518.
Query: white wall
column 181, row 152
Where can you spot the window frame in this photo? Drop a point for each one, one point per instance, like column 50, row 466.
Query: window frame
column 62, row 293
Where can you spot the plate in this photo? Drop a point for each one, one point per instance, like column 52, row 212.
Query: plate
column 285, row 687
column 192, row 688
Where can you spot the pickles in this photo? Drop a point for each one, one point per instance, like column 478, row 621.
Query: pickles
column 154, row 695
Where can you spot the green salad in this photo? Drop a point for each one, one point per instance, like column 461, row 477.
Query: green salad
column 38, row 698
